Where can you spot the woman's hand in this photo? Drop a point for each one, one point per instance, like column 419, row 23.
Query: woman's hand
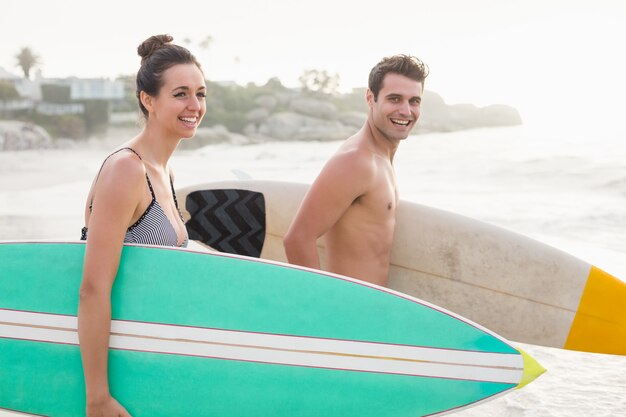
column 109, row 407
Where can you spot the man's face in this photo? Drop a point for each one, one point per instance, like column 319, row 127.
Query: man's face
column 398, row 107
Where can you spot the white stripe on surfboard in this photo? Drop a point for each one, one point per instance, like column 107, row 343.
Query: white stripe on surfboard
column 275, row 349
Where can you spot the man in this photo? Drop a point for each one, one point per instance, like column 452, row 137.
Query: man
column 353, row 201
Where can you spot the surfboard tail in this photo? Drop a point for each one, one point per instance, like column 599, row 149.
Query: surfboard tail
column 600, row 322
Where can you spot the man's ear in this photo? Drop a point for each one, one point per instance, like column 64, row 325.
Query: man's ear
column 369, row 97
column 146, row 100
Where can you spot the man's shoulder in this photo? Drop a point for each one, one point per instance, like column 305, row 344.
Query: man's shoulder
column 353, row 160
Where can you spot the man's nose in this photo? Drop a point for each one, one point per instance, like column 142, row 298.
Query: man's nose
column 405, row 108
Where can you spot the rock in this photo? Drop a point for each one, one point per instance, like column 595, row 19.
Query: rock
column 314, row 108
column 250, row 129
column 15, row 135
column 282, row 126
column 437, row 116
column 499, row 115
column 433, row 100
column 463, row 116
column 353, row 118
column 257, row 115
column 285, row 97
column 267, row 102
column 293, row 126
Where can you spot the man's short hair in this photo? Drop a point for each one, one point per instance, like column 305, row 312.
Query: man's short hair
column 407, row 65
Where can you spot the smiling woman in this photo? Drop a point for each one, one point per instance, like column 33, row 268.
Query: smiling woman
column 132, row 200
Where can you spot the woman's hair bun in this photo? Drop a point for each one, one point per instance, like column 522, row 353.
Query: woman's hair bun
column 147, row 47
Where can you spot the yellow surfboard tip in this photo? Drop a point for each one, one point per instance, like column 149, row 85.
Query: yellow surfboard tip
column 600, row 322
column 532, row 369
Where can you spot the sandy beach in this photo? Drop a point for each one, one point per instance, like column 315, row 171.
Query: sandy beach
column 42, row 196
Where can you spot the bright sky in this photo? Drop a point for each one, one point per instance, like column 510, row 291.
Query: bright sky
column 557, row 61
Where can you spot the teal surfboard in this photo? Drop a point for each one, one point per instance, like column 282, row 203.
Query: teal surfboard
column 210, row 334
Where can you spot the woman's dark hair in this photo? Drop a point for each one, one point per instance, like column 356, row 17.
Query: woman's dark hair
column 406, row 65
column 158, row 54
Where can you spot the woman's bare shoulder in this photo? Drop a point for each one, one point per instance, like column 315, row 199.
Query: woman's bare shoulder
column 123, row 170
column 124, row 163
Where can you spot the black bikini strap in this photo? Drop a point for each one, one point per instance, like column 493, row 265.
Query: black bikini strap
column 174, row 193
column 150, row 186
column 102, row 166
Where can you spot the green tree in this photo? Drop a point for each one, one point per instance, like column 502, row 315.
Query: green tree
column 69, row 126
column 319, row 81
column 26, row 60
column 8, row 91
column 274, row 85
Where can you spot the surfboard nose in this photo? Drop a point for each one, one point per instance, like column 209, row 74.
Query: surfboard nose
column 532, row 369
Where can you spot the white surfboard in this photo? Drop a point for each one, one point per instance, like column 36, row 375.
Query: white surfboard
column 519, row 287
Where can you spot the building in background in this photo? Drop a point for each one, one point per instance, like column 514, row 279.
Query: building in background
column 60, row 95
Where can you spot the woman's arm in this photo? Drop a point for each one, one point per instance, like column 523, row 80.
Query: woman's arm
column 119, row 192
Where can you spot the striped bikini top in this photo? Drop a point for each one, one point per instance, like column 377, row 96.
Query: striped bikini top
column 153, row 227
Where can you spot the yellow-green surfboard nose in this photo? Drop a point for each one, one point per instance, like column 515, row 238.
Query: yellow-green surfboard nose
column 532, row 369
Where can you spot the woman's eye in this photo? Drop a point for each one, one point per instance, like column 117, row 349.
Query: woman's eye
column 178, row 95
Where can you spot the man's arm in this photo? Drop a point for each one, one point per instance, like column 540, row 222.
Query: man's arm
column 344, row 178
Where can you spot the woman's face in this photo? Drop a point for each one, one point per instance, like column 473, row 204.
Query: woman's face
column 180, row 104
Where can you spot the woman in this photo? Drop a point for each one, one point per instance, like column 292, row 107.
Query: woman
column 132, row 200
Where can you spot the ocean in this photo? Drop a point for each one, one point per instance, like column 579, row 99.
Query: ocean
column 563, row 187
column 565, row 190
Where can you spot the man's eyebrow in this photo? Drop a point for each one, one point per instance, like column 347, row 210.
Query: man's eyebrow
column 394, row 95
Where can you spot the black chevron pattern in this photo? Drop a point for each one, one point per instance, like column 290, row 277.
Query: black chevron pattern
column 228, row 220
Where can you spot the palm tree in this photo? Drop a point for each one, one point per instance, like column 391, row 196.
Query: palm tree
column 26, row 60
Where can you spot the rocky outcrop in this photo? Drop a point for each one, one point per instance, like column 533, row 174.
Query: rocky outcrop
column 305, row 119
column 314, row 108
column 308, row 118
column 437, row 116
column 294, row 126
column 267, row 102
column 292, row 116
column 16, row 136
column 499, row 115
column 353, row 119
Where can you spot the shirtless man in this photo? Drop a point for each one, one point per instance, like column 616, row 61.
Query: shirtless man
column 353, row 201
